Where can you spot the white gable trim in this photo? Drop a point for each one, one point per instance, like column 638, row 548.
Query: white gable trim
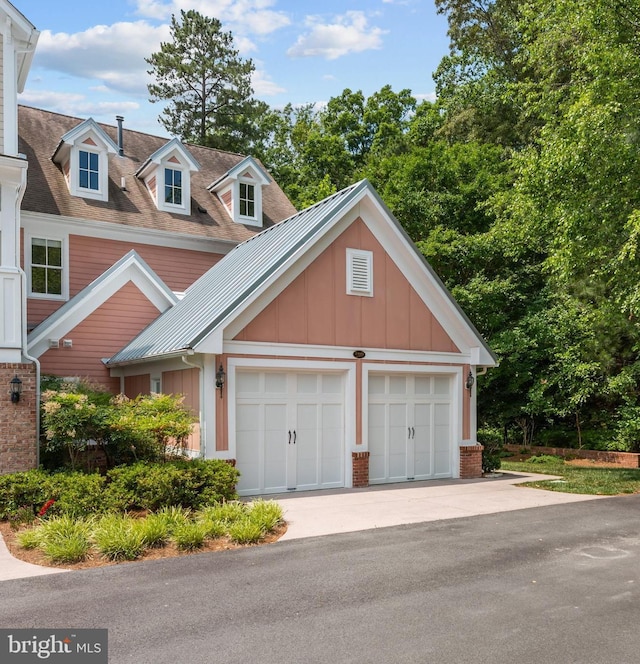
column 130, row 268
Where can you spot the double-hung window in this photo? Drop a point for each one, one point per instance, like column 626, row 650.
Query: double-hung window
column 172, row 186
column 89, row 170
column 46, row 266
column 247, row 200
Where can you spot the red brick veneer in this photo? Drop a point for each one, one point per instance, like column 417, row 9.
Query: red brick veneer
column 360, row 469
column 18, row 433
column 471, row 461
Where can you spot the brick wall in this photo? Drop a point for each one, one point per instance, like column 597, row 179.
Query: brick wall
column 471, row 462
column 623, row 459
column 360, row 469
column 18, row 437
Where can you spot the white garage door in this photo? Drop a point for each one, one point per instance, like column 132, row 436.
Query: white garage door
column 289, row 431
column 410, row 427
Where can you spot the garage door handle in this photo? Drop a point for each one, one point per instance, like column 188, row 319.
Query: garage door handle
column 413, row 432
column 295, row 435
column 289, row 437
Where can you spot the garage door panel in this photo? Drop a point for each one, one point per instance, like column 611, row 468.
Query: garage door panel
column 290, row 435
column 409, row 427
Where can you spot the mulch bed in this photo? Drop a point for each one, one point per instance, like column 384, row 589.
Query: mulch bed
column 36, row 557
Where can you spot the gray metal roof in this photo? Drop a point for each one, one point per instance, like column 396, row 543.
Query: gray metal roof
column 229, row 283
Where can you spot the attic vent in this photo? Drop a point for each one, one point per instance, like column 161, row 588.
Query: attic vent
column 359, row 272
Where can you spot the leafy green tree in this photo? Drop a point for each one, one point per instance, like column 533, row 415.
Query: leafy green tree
column 206, row 85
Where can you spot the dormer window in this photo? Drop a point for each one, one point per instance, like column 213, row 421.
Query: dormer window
column 83, row 155
column 240, row 192
column 172, row 186
column 89, row 170
column 247, row 200
column 167, row 176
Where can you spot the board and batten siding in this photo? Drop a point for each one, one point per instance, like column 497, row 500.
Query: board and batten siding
column 91, row 257
column 315, row 308
column 100, row 335
column 136, row 385
column 187, row 383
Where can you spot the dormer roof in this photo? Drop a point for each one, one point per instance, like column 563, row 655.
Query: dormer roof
column 174, row 148
column 129, row 207
column 247, row 167
column 89, row 126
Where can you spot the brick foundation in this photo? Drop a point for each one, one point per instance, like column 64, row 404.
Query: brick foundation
column 360, row 469
column 623, row 459
column 471, row 462
column 18, row 431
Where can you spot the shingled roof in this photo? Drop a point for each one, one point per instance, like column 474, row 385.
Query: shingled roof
column 47, row 192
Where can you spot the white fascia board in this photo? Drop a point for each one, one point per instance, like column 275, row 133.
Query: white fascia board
column 212, row 344
column 39, row 221
column 153, row 366
column 96, row 294
column 89, row 126
column 423, row 280
column 234, row 173
column 165, row 152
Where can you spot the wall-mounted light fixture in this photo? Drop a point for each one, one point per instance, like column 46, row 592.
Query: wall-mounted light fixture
column 16, row 389
column 220, row 378
column 470, row 381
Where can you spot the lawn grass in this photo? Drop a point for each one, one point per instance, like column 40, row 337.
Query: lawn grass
column 596, row 481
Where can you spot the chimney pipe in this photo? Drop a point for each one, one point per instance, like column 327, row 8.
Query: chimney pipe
column 119, row 120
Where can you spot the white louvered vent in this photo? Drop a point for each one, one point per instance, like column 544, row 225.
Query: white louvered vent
column 359, row 272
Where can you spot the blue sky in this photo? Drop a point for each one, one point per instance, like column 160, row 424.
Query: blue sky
column 90, row 56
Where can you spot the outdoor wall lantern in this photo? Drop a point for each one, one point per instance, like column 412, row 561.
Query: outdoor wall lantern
column 16, row 389
column 470, row 381
column 220, row 378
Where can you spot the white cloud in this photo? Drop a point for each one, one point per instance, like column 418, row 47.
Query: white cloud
column 263, row 86
column 429, row 96
column 75, row 104
column 246, row 16
column 349, row 33
column 113, row 55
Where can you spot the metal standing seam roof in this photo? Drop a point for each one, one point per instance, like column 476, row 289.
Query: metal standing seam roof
column 222, row 290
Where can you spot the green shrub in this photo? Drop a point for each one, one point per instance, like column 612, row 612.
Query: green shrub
column 245, row 531
column 492, row 440
column 267, row 514
column 65, row 539
column 30, row 539
column 156, row 426
column 189, row 535
column 213, row 529
column 154, row 530
column 192, row 484
column 19, row 490
column 173, row 516
column 226, row 512
column 76, row 494
column 117, row 538
column 545, row 458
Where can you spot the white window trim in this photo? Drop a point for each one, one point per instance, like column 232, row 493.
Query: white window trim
column 256, row 220
column 64, row 296
column 100, row 194
column 365, row 261
column 159, row 172
column 156, row 385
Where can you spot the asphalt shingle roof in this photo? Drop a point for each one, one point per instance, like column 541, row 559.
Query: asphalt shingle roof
column 47, row 192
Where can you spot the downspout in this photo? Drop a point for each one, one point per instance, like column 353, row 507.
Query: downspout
column 30, row 358
column 23, row 281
